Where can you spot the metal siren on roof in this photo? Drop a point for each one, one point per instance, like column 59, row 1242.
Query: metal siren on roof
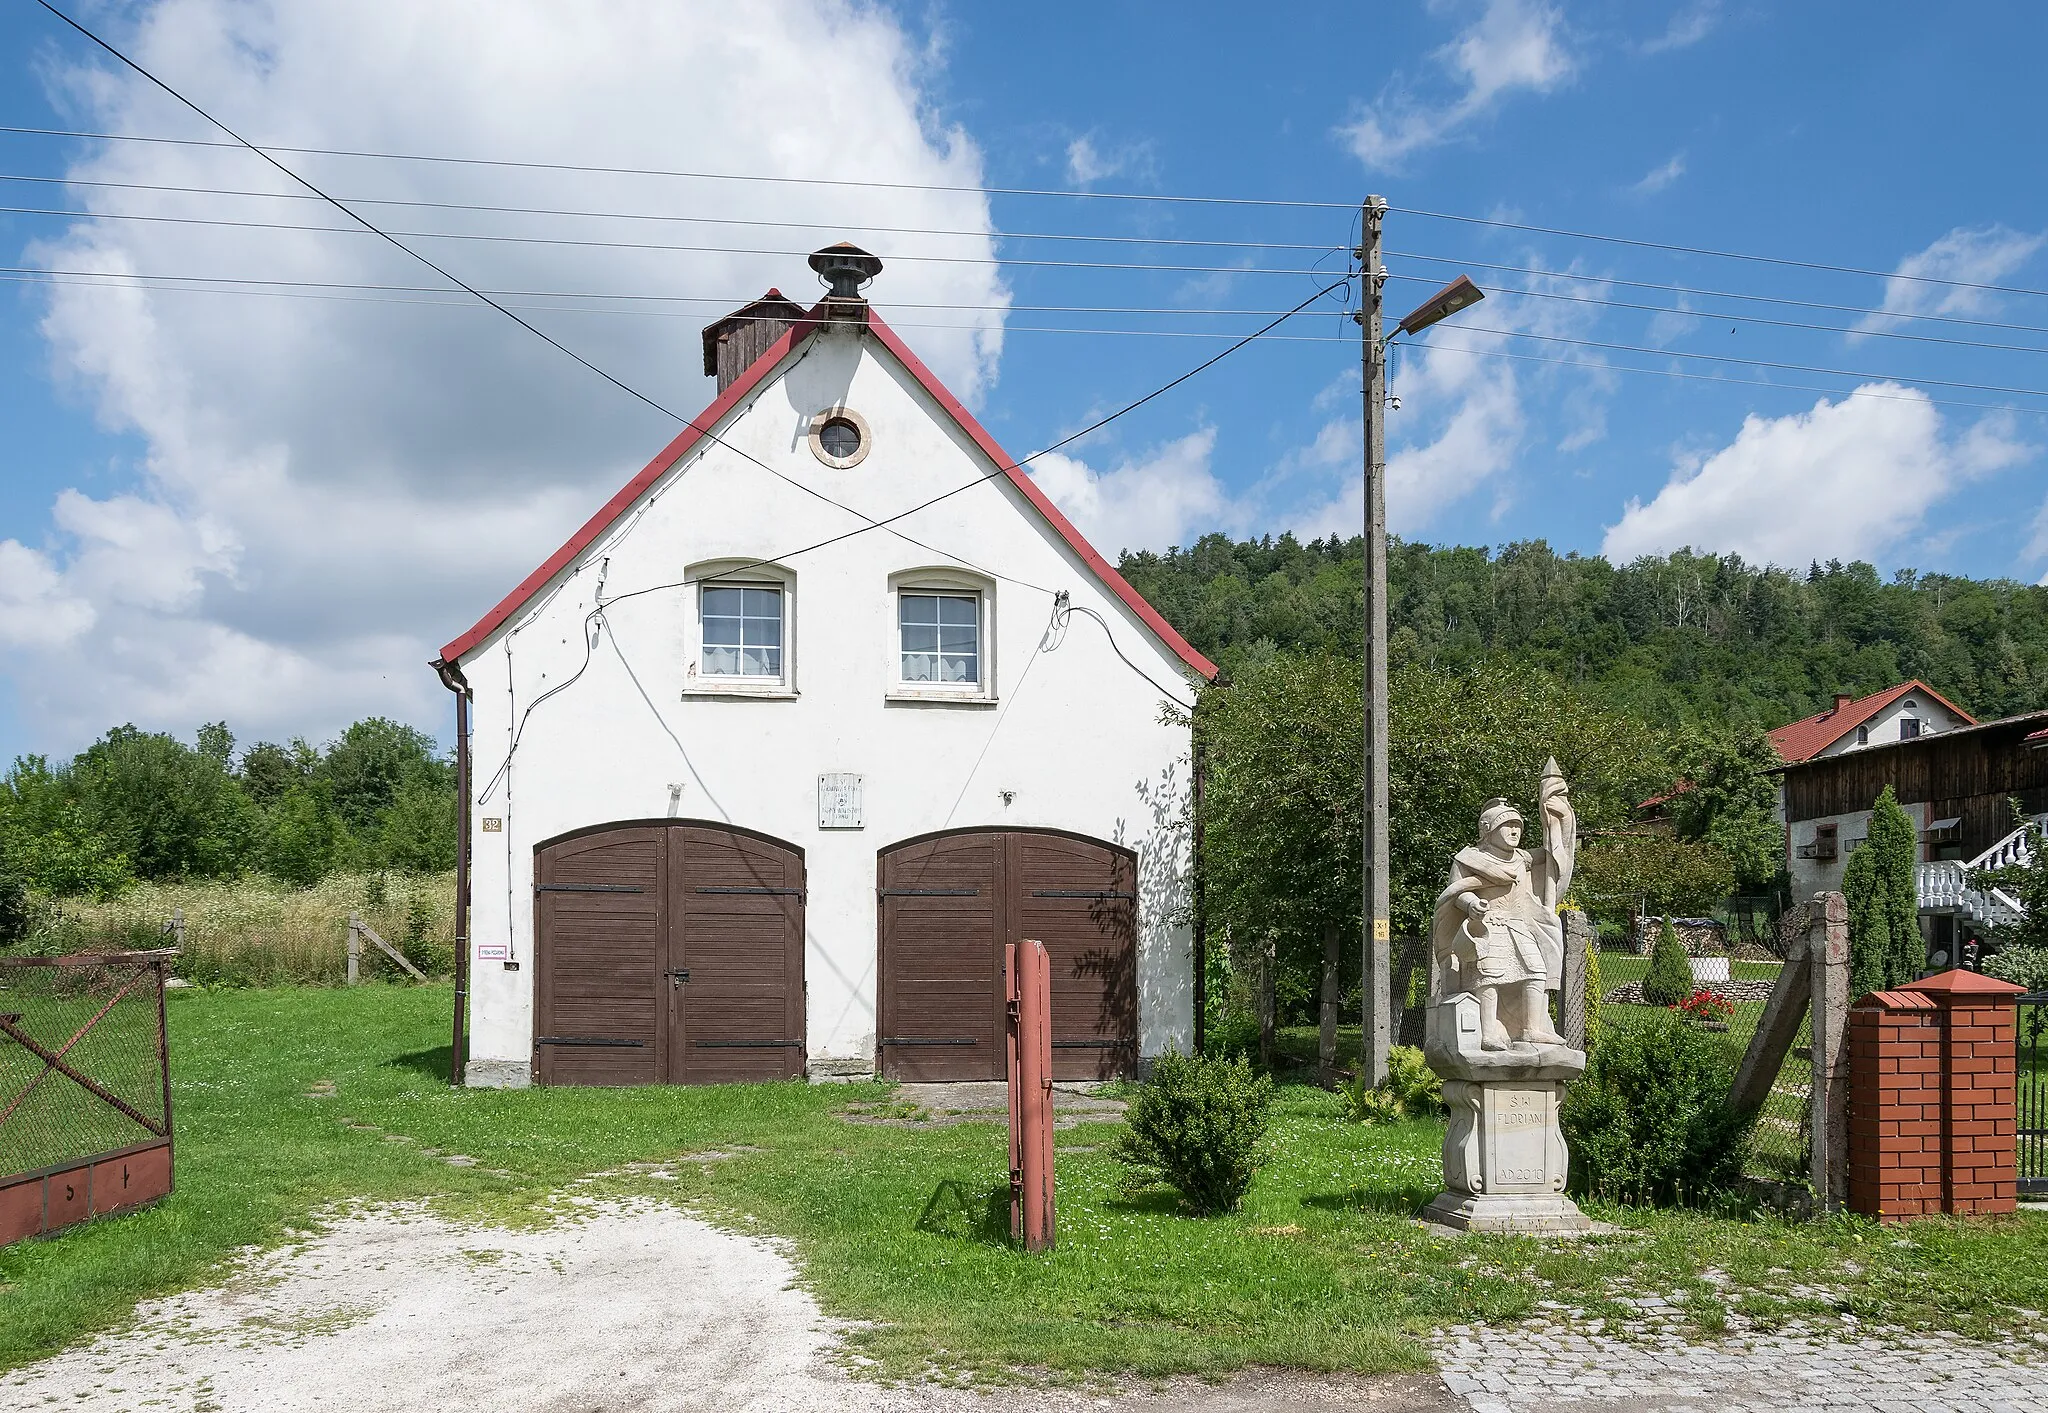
column 845, row 269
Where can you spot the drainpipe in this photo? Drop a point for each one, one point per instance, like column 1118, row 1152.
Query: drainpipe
column 451, row 678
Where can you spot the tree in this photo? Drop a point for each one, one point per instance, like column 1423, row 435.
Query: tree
column 367, row 766
column 305, row 835
column 418, row 831
column 173, row 811
column 1284, row 807
column 45, row 837
column 1870, row 927
column 1727, row 799
column 1621, row 873
column 1668, row 982
column 1896, row 857
column 269, row 770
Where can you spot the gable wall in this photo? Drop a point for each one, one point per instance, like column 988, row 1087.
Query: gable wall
column 1073, row 732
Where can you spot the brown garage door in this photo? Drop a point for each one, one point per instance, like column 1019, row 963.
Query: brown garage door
column 668, row 951
column 948, row 904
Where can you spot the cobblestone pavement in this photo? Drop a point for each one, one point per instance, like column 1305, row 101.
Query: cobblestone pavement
column 1564, row 1364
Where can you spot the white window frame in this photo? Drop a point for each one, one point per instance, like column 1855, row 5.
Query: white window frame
column 958, row 583
column 745, row 574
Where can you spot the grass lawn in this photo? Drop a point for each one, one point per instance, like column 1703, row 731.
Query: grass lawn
column 893, row 1224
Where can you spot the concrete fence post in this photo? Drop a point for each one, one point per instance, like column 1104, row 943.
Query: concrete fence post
column 1827, row 946
column 355, row 948
column 1571, row 996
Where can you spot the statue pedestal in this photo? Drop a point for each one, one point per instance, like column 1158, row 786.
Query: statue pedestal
column 1504, row 1154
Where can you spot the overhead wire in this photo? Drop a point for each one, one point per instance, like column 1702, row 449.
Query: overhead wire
column 1666, row 246
column 601, row 170
column 983, row 189
column 863, row 226
column 577, row 242
column 371, row 228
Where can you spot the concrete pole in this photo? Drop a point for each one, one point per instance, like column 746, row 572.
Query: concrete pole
column 1828, row 948
column 1376, row 974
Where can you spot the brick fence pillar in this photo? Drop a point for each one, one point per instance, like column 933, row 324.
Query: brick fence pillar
column 1932, row 1105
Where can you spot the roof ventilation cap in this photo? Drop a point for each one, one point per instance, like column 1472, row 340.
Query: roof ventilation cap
column 845, row 268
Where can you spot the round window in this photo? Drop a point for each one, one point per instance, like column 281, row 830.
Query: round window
column 839, row 437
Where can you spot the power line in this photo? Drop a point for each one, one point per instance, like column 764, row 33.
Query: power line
column 1037, row 191
column 1324, row 246
column 1697, row 292
column 703, row 176
column 456, row 280
column 585, row 243
column 1719, row 254
column 1593, row 365
column 1752, row 362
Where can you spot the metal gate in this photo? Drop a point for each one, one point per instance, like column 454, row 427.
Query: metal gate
column 2033, row 1093
column 85, row 1088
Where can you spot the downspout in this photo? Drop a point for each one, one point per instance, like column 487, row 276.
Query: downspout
column 451, row 678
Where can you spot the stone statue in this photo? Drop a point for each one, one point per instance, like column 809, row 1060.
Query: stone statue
column 1498, row 950
column 1496, row 932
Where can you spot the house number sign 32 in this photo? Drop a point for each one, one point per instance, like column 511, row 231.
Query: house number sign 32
column 839, row 801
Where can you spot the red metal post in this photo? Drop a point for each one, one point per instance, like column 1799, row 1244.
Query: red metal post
column 1028, row 976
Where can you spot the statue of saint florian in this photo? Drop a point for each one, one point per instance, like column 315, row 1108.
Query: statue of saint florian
column 1496, row 932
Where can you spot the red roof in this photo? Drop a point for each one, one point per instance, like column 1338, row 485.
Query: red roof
column 741, row 387
column 1803, row 740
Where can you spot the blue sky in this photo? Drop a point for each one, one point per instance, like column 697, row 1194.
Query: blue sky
column 272, row 508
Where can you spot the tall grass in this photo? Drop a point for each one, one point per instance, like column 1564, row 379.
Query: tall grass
column 256, row 931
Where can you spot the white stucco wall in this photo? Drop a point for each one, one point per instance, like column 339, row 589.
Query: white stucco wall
column 1073, row 735
column 1883, row 728
column 1811, row 876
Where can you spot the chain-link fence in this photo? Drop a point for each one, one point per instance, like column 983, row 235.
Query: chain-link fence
column 1782, row 1139
column 83, row 1059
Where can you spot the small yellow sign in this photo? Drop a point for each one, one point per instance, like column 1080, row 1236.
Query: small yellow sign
column 1382, row 930
column 493, row 824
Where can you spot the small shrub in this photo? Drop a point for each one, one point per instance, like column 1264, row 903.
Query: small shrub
column 1649, row 1121
column 1369, row 1104
column 1669, row 980
column 1411, row 1091
column 1198, row 1125
column 2022, row 966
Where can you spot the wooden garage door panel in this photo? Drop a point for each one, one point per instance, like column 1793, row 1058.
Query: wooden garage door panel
column 599, row 957
column 738, row 930
column 941, row 958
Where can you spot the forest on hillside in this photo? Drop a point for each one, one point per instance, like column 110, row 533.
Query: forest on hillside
column 1681, row 638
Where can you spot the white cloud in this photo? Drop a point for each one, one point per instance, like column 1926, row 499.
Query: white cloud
column 1689, row 25
column 1088, row 163
column 331, row 488
column 1513, row 45
column 1168, row 496
column 1847, row 480
column 1661, row 176
column 1984, row 256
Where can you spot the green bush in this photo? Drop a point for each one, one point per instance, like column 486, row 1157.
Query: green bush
column 1233, row 1034
column 1669, row 980
column 1411, row 1091
column 1649, row 1121
column 1198, row 1125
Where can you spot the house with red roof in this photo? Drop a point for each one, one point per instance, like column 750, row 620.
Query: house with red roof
column 768, row 762
column 1902, row 713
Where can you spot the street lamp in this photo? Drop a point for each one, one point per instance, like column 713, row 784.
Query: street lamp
column 1459, row 294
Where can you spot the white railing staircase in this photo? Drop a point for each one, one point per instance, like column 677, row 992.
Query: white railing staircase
column 1944, row 886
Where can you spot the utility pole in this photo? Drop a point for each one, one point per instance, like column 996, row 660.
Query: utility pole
column 1375, row 1034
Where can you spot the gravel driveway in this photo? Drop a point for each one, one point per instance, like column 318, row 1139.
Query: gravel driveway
column 629, row 1306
